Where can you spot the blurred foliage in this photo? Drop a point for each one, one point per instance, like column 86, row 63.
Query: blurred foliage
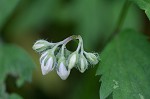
column 145, row 5
column 14, row 61
column 24, row 21
column 6, row 9
column 14, row 96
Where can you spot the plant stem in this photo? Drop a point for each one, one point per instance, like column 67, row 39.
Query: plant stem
column 64, row 45
column 121, row 20
column 80, row 45
column 65, row 41
column 122, row 16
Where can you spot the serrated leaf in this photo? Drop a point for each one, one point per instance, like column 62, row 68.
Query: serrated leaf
column 144, row 5
column 16, row 62
column 125, row 67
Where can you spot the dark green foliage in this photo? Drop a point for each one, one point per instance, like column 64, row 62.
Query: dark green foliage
column 144, row 5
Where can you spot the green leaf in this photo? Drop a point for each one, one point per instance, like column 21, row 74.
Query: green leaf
column 125, row 67
column 144, row 5
column 16, row 62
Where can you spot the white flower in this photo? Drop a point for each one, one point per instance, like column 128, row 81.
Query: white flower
column 47, row 62
column 72, row 60
column 63, row 72
column 92, row 58
column 83, row 64
column 51, row 52
column 42, row 45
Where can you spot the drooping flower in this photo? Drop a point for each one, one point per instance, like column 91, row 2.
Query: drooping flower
column 92, row 58
column 47, row 61
column 42, row 45
column 83, row 64
column 73, row 59
column 62, row 71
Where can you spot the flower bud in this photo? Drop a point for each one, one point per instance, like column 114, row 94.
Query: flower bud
column 62, row 71
column 83, row 64
column 92, row 58
column 73, row 58
column 42, row 45
column 47, row 61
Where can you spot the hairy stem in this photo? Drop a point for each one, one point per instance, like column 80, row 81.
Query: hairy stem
column 65, row 41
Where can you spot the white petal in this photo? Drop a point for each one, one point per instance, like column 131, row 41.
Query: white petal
column 48, row 67
column 43, row 70
column 82, row 66
column 37, row 46
column 41, row 41
column 92, row 58
column 42, row 56
column 72, row 61
column 43, row 65
column 63, row 72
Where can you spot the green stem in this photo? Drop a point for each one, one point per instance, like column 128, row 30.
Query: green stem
column 64, row 45
column 121, row 20
column 80, row 45
column 122, row 16
column 65, row 41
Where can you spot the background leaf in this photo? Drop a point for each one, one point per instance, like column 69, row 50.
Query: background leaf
column 124, row 67
column 144, row 5
column 16, row 62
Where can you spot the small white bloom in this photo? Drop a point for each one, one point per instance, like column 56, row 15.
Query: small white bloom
column 42, row 45
column 83, row 64
column 47, row 63
column 37, row 46
column 92, row 58
column 43, row 56
column 47, row 67
column 72, row 60
column 63, row 72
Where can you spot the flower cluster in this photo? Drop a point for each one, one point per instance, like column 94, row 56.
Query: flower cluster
column 55, row 56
